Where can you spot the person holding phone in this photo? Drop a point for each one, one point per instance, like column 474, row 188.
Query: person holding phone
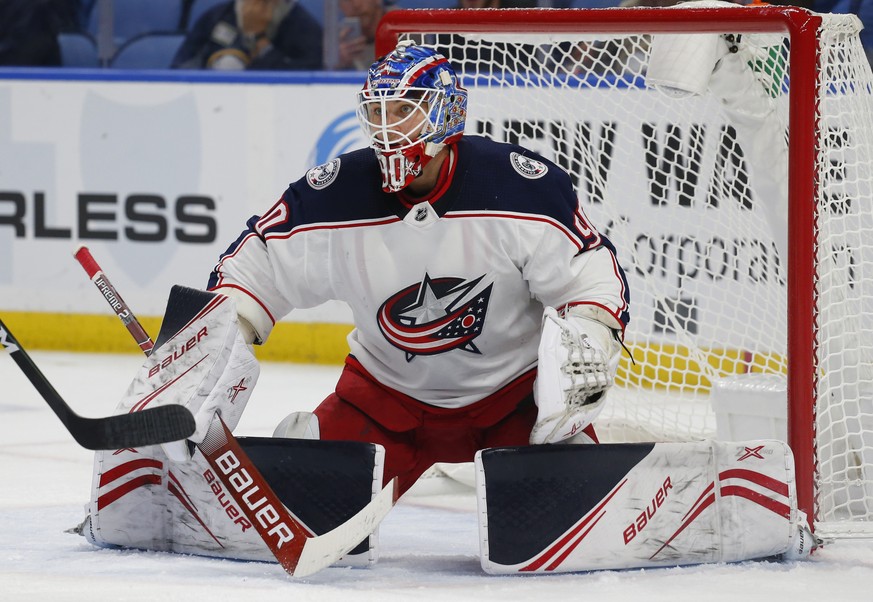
column 357, row 32
column 253, row 35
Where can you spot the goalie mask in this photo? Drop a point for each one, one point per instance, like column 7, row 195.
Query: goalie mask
column 411, row 106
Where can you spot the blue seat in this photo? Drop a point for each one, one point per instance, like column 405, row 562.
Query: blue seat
column 134, row 17
column 78, row 50
column 198, row 7
column 148, row 51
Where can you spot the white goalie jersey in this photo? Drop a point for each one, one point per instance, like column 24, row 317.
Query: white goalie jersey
column 447, row 291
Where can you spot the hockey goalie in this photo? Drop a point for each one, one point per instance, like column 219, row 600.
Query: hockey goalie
column 489, row 318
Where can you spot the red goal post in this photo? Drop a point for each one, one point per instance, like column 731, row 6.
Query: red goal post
column 816, row 64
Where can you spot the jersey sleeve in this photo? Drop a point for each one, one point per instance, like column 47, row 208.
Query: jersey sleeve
column 564, row 259
column 270, row 270
column 245, row 272
column 573, row 264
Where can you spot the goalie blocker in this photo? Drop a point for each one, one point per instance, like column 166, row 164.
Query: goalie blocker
column 564, row 508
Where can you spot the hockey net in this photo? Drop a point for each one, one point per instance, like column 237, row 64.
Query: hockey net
column 740, row 205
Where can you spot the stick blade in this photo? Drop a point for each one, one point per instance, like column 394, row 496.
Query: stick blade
column 323, row 550
column 138, row 429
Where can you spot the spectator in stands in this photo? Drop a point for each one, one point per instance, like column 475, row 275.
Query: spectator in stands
column 357, row 34
column 253, row 34
column 485, row 57
column 75, row 13
column 29, row 31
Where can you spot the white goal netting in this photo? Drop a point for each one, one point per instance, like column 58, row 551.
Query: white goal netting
column 690, row 180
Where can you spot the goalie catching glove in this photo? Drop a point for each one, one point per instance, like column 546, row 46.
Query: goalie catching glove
column 578, row 357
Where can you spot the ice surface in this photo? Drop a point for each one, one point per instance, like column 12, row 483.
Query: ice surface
column 429, row 549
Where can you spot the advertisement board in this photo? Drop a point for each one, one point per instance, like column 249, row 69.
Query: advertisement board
column 158, row 176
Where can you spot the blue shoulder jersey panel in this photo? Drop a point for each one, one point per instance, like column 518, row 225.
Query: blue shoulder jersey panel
column 490, row 177
column 345, row 189
column 495, row 176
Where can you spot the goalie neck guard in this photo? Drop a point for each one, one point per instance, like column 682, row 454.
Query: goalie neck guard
column 411, row 106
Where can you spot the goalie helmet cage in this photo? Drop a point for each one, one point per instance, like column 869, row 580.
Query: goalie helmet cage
column 694, row 199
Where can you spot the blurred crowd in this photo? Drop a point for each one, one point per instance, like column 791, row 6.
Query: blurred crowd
column 245, row 34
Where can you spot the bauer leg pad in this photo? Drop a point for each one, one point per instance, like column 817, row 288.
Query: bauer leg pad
column 142, row 500
column 567, row 508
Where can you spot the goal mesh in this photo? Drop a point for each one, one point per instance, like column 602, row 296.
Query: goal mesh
column 693, row 189
column 844, row 276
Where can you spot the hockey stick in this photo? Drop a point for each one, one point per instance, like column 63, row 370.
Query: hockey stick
column 137, row 429
column 86, row 260
column 298, row 551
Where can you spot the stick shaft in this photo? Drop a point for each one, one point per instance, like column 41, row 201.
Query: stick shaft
column 149, row 427
column 116, row 302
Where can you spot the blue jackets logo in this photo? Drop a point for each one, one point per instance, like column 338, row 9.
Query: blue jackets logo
column 435, row 316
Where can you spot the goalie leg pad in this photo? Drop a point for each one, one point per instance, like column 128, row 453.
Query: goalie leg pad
column 142, row 500
column 571, row 508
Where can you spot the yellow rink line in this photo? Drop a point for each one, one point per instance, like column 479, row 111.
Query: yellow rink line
column 310, row 343
column 655, row 365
